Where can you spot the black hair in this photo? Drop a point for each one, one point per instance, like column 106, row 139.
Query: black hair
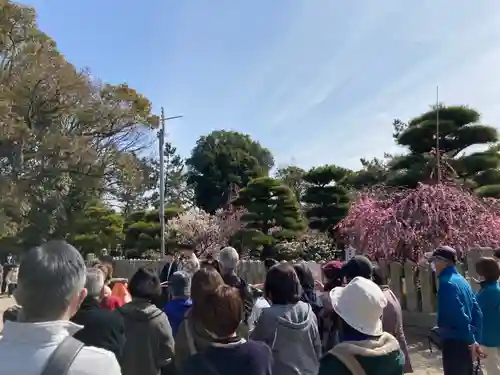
column 145, row 284
column 305, row 275
column 282, row 285
column 379, row 276
column 496, row 253
column 270, row 262
column 346, row 330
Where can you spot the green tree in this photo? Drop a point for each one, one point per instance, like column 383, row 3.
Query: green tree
column 177, row 191
column 137, row 177
column 459, row 129
column 293, row 177
column 273, row 213
column 64, row 136
column 373, row 172
column 98, row 228
column 223, row 162
column 143, row 231
column 326, row 198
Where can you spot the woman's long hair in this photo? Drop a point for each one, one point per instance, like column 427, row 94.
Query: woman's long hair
column 205, row 281
column 306, row 280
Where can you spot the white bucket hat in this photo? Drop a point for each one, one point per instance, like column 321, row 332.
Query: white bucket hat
column 360, row 304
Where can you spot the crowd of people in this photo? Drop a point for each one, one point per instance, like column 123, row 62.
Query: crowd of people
column 202, row 318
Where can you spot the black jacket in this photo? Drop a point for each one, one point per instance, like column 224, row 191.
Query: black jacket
column 165, row 274
column 101, row 328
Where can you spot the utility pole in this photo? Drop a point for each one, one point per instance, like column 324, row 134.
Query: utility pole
column 161, row 145
column 438, row 152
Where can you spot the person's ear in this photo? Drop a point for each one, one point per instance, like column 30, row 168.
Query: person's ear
column 78, row 301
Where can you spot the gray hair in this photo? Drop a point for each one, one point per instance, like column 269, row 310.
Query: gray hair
column 94, row 282
column 50, row 277
column 228, row 259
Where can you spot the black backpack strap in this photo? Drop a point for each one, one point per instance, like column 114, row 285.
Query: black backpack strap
column 63, row 357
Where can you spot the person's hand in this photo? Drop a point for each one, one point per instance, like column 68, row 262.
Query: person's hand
column 477, row 352
column 319, row 285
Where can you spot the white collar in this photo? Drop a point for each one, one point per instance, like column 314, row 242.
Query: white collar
column 39, row 332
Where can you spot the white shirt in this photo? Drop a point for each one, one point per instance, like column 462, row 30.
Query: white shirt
column 260, row 304
column 25, row 349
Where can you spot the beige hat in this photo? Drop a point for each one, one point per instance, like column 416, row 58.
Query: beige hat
column 360, row 304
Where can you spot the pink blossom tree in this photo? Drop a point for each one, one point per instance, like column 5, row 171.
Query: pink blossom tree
column 403, row 224
column 205, row 231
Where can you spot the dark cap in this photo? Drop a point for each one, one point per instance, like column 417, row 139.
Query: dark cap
column 358, row 265
column 496, row 253
column 443, row 252
column 179, row 284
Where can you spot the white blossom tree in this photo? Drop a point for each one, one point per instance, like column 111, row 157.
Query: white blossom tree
column 208, row 233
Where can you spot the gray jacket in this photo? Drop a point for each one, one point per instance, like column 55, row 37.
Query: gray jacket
column 291, row 331
column 149, row 344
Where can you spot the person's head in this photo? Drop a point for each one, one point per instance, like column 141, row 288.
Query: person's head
column 332, row 274
column 169, row 258
column 179, row 285
column 379, row 276
column 204, row 281
column 222, row 311
column 305, row 276
column 186, row 250
column 51, row 282
column 94, row 282
column 282, row 285
column 210, row 261
column 359, row 305
column 357, row 266
column 107, row 270
column 488, row 269
column 496, row 254
column 228, row 260
column 145, row 285
column 270, row 262
column 442, row 257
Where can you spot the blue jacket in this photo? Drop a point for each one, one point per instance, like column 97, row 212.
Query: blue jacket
column 175, row 310
column 459, row 315
column 488, row 299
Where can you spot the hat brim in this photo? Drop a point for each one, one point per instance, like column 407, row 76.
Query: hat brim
column 374, row 329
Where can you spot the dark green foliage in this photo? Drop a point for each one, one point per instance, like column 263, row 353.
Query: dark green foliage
column 143, row 231
column 326, row 197
column 459, row 129
column 273, row 212
column 97, row 228
column 373, row 172
column 292, row 177
column 222, row 162
column 177, row 191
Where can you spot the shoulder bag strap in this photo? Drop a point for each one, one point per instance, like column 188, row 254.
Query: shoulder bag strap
column 63, row 357
column 348, row 360
column 189, row 337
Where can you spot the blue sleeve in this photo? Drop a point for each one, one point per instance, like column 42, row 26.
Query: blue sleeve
column 477, row 314
column 452, row 312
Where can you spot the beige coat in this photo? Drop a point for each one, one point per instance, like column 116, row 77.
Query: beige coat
column 392, row 322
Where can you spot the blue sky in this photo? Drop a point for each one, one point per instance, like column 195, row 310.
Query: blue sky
column 316, row 81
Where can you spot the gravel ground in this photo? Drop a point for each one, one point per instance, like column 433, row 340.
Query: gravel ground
column 424, row 362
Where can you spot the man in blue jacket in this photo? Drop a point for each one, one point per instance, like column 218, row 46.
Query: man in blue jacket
column 459, row 315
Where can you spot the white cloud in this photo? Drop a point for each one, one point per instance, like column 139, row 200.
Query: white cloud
column 343, row 72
